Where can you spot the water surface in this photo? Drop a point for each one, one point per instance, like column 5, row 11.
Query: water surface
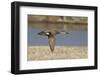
column 74, row 38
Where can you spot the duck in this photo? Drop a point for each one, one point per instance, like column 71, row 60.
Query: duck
column 51, row 37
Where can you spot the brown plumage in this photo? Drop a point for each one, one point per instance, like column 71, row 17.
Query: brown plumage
column 51, row 38
column 52, row 41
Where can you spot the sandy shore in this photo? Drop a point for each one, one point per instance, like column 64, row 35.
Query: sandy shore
column 60, row 52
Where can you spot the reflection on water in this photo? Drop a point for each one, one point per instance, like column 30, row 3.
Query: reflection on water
column 74, row 38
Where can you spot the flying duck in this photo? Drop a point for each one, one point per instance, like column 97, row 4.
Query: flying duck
column 51, row 37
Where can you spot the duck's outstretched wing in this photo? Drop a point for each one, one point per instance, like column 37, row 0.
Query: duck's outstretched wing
column 51, row 41
column 41, row 33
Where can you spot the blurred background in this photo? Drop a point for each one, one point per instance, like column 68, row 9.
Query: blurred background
column 76, row 26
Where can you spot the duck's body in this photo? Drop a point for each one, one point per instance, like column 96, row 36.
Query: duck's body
column 52, row 41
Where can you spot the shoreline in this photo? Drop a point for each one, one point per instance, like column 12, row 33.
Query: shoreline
column 60, row 52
